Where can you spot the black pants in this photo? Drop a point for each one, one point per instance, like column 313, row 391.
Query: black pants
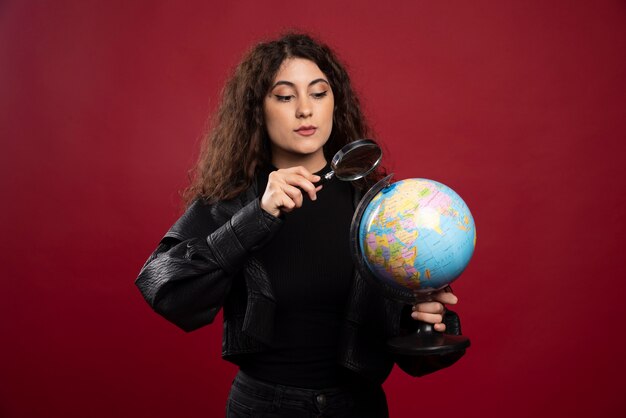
column 250, row 397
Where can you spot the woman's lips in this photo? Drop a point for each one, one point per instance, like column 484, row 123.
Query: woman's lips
column 306, row 130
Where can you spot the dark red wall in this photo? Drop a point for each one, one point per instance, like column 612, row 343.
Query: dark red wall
column 519, row 106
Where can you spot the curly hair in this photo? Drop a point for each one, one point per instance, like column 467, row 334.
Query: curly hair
column 237, row 145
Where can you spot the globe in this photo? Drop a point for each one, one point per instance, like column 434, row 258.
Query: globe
column 417, row 235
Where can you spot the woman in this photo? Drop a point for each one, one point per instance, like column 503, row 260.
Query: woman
column 262, row 240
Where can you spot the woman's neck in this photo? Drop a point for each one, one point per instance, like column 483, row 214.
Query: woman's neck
column 312, row 162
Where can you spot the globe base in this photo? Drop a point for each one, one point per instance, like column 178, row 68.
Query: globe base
column 426, row 341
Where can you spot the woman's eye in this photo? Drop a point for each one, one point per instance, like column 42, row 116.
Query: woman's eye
column 283, row 98
column 320, row 95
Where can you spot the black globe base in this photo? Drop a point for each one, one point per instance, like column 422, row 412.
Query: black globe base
column 425, row 341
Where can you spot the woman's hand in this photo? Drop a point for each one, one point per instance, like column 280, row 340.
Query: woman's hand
column 432, row 312
column 285, row 187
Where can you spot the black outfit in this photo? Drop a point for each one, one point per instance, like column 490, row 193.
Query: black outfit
column 250, row 397
column 212, row 257
column 308, row 261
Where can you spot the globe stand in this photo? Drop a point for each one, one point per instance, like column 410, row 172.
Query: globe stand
column 425, row 350
column 424, row 342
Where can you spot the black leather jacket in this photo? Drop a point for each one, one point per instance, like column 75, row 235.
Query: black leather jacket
column 206, row 261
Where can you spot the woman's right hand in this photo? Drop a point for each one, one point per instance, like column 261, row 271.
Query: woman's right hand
column 285, row 187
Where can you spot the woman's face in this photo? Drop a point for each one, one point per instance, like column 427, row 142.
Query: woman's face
column 299, row 114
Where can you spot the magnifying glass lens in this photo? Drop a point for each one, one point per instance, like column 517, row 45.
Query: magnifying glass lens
column 354, row 161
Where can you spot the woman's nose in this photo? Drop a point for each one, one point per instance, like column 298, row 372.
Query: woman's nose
column 304, row 108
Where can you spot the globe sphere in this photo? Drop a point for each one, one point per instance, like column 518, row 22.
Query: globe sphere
column 417, row 234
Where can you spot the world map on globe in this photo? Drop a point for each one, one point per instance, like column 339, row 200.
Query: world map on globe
column 417, row 234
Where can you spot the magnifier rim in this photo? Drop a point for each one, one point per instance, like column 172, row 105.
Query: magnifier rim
column 339, row 155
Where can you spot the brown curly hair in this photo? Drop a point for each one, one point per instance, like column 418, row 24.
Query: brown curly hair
column 237, row 145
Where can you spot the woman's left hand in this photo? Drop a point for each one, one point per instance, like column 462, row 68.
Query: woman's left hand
column 432, row 312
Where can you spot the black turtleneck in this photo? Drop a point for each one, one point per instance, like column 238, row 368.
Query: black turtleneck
column 309, row 264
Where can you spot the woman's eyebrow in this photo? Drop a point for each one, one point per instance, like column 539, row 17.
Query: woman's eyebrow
column 318, row 80
column 290, row 84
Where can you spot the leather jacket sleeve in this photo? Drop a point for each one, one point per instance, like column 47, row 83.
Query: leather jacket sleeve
column 188, row 276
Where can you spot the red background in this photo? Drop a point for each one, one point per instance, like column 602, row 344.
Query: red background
column 517, row 105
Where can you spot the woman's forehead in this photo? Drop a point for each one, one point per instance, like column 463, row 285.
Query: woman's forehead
column 298, row 71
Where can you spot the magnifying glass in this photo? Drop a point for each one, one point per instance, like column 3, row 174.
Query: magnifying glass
column 354, row 161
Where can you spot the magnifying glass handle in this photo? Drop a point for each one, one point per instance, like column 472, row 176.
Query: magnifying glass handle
column 325, row 178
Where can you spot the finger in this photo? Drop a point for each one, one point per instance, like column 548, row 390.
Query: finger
column 429, row 307
column 440, row 327
column 293, row 193
column 285, row 203
column 305, row 173
column 427, row 317
column 447, row 298
column 302, row 183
